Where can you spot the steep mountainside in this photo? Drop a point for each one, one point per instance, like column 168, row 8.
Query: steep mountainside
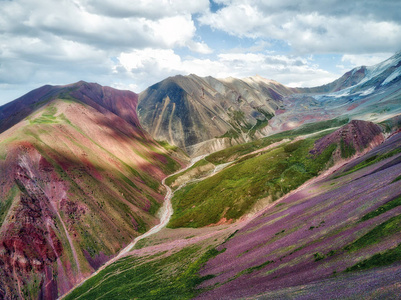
column 347, row 222
column 200, row 115
column 104, row 99
column 79, row 180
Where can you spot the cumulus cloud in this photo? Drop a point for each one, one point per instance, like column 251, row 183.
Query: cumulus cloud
column 44, row 39
column 293, row 71
column 144, row 8
column 133, row 44
column 331, row 26
column 356, row 60
column 75, row 21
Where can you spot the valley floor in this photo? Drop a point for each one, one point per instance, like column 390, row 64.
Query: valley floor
column 335, row 237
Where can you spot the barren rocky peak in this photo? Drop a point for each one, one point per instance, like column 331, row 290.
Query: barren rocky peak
column 190, row 110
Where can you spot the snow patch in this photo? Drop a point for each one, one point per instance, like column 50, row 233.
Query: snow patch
column 376, row 70
column 339, row 94
column 393, row 76
column 368, row 91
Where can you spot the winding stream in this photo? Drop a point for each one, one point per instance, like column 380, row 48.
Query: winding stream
column 165, row 213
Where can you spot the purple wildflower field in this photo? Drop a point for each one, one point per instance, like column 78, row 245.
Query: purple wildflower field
column 298, row 245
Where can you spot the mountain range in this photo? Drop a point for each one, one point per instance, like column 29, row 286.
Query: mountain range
column 295, row 190
column 199, row 114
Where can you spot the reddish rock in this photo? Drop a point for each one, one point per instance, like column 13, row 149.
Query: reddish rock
column 357, row 134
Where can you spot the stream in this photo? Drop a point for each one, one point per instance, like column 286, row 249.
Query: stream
column 165, row 213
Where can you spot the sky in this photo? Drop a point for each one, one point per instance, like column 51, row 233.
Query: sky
column 131, row 45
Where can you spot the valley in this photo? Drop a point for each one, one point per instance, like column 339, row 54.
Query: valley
column 203, row 188
column 253, row 244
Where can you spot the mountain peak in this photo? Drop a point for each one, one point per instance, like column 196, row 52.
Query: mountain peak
column 259, row 79
column 121, row 103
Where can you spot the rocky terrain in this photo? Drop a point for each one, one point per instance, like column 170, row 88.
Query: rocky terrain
column 203, row 114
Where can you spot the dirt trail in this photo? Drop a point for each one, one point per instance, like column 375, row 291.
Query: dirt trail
column 165, row 213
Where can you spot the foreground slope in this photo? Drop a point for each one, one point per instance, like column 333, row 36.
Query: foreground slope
column 344, row 223
column 319, row 236
column 79, row 180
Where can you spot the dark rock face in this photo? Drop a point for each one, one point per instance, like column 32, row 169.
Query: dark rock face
column 30, row 238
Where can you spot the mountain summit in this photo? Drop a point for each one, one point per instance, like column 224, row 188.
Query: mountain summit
column 198, row 114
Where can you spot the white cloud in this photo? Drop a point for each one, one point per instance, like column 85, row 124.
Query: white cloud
column 332, row 26
column 59, row 42
column 160, row 59
column 145, row 8
column 160, row 63
column 199, row 47
column 173, row 31
column 162, row 24
column 355, row 60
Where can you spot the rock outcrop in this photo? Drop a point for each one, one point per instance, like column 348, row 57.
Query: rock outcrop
column 355, row 137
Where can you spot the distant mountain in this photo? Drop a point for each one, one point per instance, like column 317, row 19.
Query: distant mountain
column 200, row 115
column 365, row 93
column 382, row 73
column 79, row 180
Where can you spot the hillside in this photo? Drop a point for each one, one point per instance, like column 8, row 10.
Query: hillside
column 343, row 223
column 79, row 180
column 318, row 236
